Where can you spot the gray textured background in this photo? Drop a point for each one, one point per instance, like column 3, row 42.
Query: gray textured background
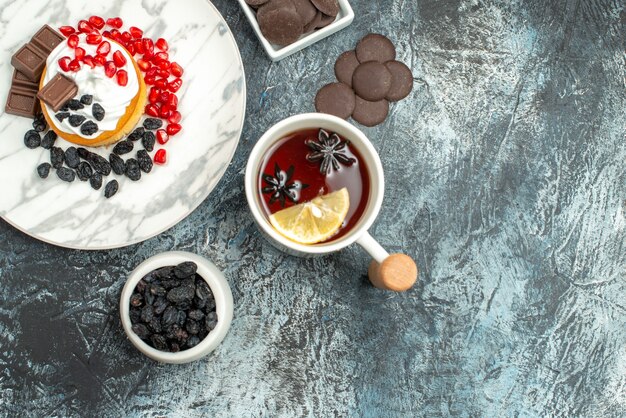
column 506, row 182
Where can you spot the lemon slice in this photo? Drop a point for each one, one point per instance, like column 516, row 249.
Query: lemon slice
column 314, row 221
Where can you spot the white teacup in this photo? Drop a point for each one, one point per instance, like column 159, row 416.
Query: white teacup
column 394, row 272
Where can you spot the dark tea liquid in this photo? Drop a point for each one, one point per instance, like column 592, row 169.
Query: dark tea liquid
column 291, row 151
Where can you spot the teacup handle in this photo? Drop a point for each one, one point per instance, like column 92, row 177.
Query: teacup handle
column 397, row 272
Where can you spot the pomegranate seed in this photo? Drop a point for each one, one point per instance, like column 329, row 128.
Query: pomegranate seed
column 149, row 79
column 109, row 69
column 165, row 111
column 176, row 69
column 164, row 65
column 139, row 46
column 162, row 136
column 119, row 59
column 162, row 44
column 175, row 117
column 152, row 71
column 160, row 56
column 88, row 60
column 115, row 34
column 161, row 83
column 72, row 40
column 152, row 110
column 104, row 48
column 126, row 36
column 122, row 78
column 174, row 86
column 173, row 101
column 100, row 60
column 153, row 96
column 131, row 49
column 163, row 73
column 97, row 22
column 107, row 34
column 85, row 27
column 94, row 38
column 136, row 32
column 173, row 129
column 148, row 47
column 67, row 30
column 80, row 53
column 74, row 65
column 160, row 157
column 143, row 65
column 64, row 63
column 164, row 96
column 116, row 22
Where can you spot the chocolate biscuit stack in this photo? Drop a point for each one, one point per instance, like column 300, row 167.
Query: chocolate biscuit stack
column 369, row 78
column 282, row 22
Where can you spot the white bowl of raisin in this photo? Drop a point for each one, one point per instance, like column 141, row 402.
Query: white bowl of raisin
column 176, row 307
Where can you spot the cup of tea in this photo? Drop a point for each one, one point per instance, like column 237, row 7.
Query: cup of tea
column 315, row 185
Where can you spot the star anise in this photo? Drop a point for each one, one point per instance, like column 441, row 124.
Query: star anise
column 329, row 149
column 280, row 187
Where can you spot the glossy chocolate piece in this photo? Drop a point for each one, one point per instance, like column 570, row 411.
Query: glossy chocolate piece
column 20, row 80
column 47, row 39
column 58, row 91
column 22, row 102
column 30, row 61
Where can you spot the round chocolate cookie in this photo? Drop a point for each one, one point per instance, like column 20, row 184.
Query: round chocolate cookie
column 256, row 3
column 328, row 7
column 401, row 81
column 306, row 10
column 375, row 47
column 371, row 81
column 312, row 25
column 336, row 99
column 326, row 20
column 281, row 26
column 370, row 113
column 345, row 66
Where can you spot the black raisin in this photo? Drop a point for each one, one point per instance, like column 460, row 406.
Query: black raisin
column 203, row 292
column 152, row 124
column 185, row 269
column 71, row 157
column 136, row 300
column 192, row 326
column 49, row 139
column 181, row 335
column 145, row 162
column 147, row 314
column 174, row 347
column 89, row 128
column 111, row 188
column 57, row 157
column 155, row 325
column 135, row 314
column 133, row 171
column 83, row 153
column 123, row 147
column 164, row 272
column 170, row 315
column 99, row 164
column 40, row 124
column 76, row 120
column 193, row 341
column 180, row 294
column 137, row 134
column 148, row 141
column 74, row 104
column 43, row 170
column 66, row 174
column 117, row 164
column 196, row 315
column 65, row 107
column 97, row 111
column 84, row 171
column 141, row 330
column 160, row 304
column 32, row 139
column 157, row 290
column 61, row 116
column 96, row 181
column 87, row 99
column 141, row 286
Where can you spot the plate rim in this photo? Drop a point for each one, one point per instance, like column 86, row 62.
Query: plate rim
column 200, row 201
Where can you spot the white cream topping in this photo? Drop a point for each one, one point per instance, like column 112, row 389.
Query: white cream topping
column 105, row 91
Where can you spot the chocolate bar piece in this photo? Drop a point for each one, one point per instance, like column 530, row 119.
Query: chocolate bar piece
column 47, row 39
column 22, row 102
column 58, row 91
column 30, row 61
column 20, row 80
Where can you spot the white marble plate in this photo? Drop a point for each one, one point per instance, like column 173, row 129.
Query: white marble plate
column 212, row 101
